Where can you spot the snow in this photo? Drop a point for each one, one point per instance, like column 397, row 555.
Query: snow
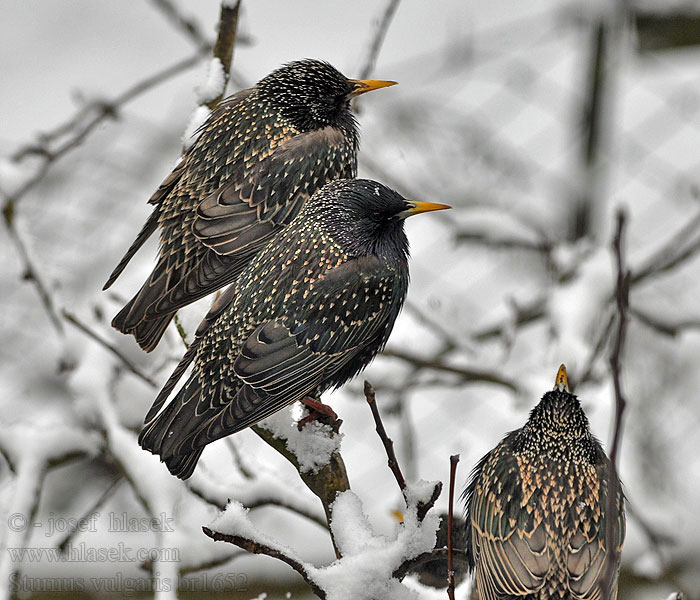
column 313, row 445
column 365, row 570
column 214, row 84
column 198, row 118
column 13, row 175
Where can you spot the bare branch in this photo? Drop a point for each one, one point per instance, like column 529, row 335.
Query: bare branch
column 84, row 122
column 225, row 42
column 259, row 548
column 386, row 440
column 663, row 325
column 30, row 271
column 465, row 374
column 105, row 344
column 422, row 508
column 622, row 301
column 671, row 254
column 185, row 24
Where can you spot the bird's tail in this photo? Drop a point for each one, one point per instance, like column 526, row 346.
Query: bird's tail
column 168, row 433
column 147, row 332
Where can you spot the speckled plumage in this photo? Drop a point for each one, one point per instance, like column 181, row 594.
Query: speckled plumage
column 537, row 508
column 259, row 156
column 309, row 312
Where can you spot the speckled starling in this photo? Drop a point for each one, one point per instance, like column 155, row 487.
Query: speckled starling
column 308, row 313
column 537, row 509
column 259, row 156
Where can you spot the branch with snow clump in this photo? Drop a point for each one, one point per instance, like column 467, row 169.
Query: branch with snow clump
column 369, row 561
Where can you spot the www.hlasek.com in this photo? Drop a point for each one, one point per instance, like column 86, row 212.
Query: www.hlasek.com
column 75, row 553
column 130, row 586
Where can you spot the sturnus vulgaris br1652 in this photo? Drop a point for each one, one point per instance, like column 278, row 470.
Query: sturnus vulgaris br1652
column 537, row 509
column 259, row 156
column 309, row 312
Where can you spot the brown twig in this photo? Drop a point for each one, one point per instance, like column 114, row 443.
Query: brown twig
column 622, row 302
column 73, row 320
column 225, row 43
column 454, row 459
column 386, row 440
column 422, row 508
column 259, row 548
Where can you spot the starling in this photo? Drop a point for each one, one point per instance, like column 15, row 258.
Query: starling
column 261, row 154
column 309, row 312
column 537, row 510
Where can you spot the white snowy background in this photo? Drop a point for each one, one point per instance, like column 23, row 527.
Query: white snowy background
column 487, row 117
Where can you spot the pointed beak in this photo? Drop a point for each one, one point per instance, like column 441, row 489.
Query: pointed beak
column 561, row 383
column 362, row 86
column 415, row 208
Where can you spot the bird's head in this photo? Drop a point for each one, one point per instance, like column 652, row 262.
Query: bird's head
column 313, row 94
column 368, row 216
column 558, row 419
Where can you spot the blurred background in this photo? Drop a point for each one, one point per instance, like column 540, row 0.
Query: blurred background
column 537, row 121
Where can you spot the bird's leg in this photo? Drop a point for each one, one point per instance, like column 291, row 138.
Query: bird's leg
column 318, row 411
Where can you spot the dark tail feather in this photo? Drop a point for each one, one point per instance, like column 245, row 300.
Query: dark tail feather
column 174, row 378
column 144, row 234
column 168, row 433
column 183, row 466
column 147, row 332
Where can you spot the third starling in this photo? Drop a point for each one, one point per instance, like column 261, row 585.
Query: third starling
column 259, row 156
column 308, row 313
column 537, row 509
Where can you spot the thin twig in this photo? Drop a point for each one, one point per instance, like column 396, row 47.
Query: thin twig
column 185, row 24
column 31, row 274
column 225, row 43
column 73, row 320
column 465, row 374
column 259, row 548
column 378, row 39
column 103, row 110
column 622, row 301
column 454, row 459
column 386, row 440
column 104, row 496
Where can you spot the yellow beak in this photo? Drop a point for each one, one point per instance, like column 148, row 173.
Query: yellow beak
column 561, row 383
column 362, row 86
column 415, row 208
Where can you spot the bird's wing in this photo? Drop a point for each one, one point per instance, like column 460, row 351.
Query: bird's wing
column 285, row 358
column 587, row 552
column 509, row 548
column 164, row 190
column 218, row 307
column 269, row 191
